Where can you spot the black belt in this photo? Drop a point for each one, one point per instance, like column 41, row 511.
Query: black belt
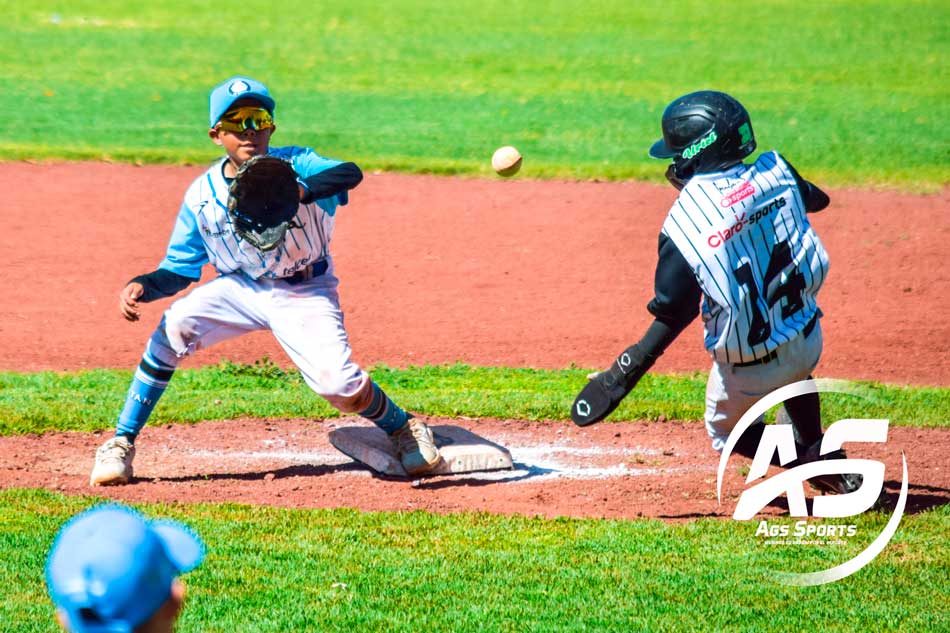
column 774, row 354
column 308, row 272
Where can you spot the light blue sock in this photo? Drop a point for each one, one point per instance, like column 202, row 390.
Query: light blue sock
column 385, row 413
column 147, row 387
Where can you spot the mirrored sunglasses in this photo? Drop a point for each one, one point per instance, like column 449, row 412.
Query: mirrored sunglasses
column 245, row 118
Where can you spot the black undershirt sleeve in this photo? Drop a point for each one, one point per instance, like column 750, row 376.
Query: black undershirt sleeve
column 651, row 346
column 330, row 182
column 161, row 283
column 815, row 199
column 675, row 305
column 606, row 390
column 677, row 293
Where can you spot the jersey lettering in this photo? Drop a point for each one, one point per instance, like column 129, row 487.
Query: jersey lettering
column 747, row 189
column 758, row 261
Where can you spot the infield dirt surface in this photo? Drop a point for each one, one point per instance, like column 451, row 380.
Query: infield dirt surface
column 437, row 270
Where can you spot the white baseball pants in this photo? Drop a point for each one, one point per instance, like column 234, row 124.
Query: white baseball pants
column 731, row 391
column 305, row 318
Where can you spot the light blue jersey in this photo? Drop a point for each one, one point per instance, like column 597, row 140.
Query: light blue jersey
column 745, row 234
column 203, row 232
column 287, row 286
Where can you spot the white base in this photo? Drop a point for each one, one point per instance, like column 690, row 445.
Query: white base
column 462, row 451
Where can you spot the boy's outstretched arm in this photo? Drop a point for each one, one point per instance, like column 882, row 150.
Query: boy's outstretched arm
column 181, row 267
column 675, row 306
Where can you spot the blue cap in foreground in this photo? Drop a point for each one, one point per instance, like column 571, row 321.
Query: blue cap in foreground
column 110, row 568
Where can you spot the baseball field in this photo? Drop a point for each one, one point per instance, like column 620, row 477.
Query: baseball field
column 475, row 301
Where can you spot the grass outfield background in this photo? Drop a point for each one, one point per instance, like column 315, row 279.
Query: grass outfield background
column 35, row 403
column 851, row 92
column 342, row 570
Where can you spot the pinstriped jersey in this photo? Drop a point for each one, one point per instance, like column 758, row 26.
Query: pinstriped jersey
column 747, row 238
column 203, row 231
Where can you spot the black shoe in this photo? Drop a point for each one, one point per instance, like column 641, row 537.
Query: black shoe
column 840, row 484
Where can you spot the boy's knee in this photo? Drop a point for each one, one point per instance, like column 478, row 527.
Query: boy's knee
column 161, row 349
column 348, row 398
column 180, row 334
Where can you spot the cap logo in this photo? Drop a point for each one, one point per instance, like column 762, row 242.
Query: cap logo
column 238, row 87
column 700, row 145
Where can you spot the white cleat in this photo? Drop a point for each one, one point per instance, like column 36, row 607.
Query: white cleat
column 416, row 447
column 113, row 463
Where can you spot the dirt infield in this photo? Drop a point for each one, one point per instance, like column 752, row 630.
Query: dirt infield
column 622, row 470
column 438, row 270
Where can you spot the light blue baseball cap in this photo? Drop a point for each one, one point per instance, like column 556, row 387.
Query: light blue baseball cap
column 236, row 88
column 110, row 568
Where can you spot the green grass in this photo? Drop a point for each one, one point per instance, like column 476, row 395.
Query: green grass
column 90, row 400
column 851, row 92
column 281, row 570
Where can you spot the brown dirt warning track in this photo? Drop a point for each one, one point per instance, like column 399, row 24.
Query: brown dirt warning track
column 438, row 270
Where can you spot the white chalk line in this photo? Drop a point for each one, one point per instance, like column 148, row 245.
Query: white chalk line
column 532, row 463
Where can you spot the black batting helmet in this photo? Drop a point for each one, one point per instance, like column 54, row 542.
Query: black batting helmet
column 703, row 131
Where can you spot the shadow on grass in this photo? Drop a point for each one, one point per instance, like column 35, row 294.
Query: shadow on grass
column 920, row 497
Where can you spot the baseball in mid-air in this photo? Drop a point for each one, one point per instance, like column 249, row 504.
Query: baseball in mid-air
column 506, row 161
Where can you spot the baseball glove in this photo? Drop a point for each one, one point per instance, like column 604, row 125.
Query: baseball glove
column 264, row 198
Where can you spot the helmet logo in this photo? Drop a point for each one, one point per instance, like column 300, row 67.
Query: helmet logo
column 745, row 133
column 700, row 145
